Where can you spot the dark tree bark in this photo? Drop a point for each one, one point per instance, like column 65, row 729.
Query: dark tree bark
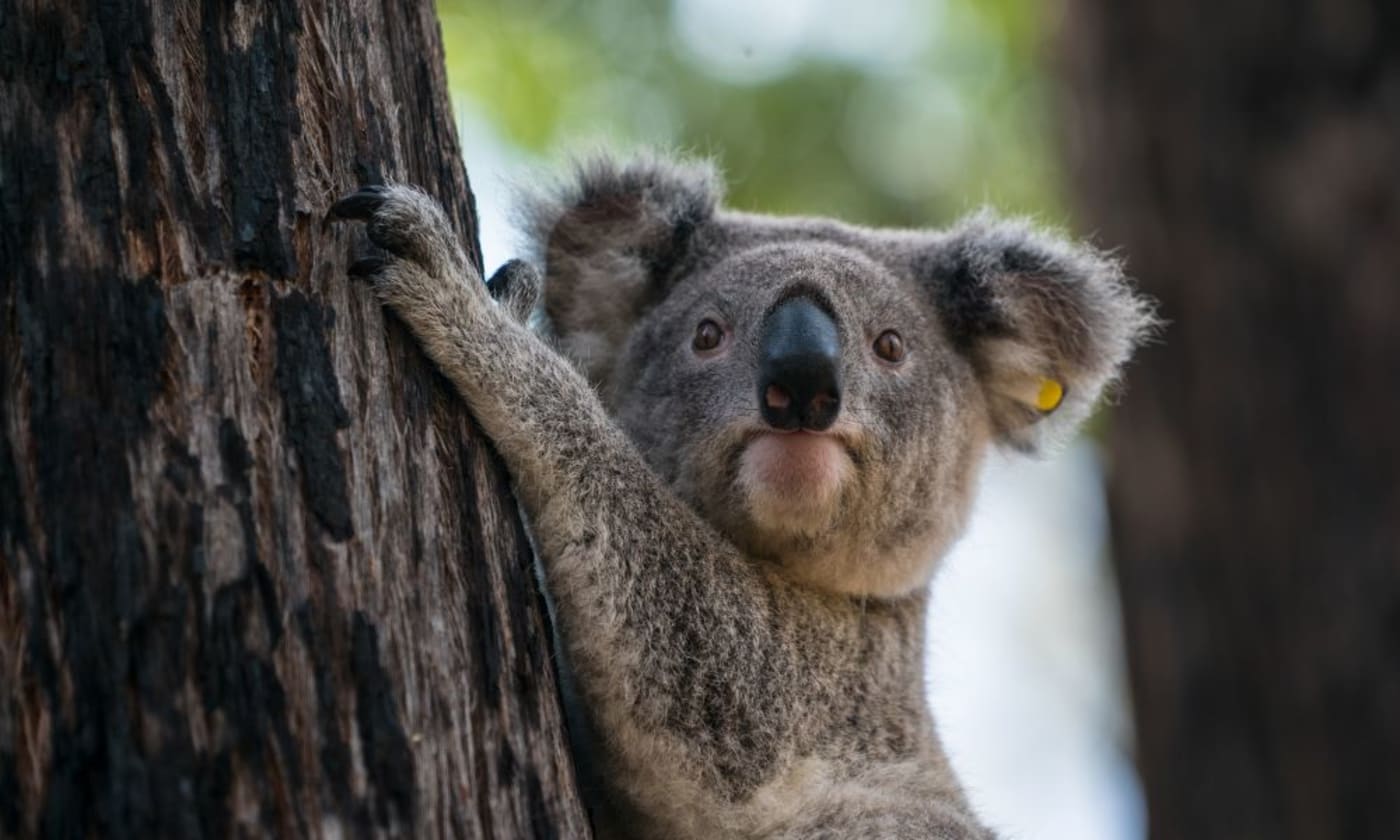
column 259, row 574
column 1245, row 155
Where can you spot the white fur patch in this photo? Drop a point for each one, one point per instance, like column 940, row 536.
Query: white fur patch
column 793, row 482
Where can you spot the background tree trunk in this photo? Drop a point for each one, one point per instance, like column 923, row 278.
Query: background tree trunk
column 1245, row 155
column 259, row 573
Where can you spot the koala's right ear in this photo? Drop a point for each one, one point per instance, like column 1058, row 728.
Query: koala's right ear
column 1047, row 323
column 611, row 240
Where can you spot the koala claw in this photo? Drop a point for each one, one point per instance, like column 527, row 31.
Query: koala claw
column 366, row 266
column 360, row 204
column 421, row 249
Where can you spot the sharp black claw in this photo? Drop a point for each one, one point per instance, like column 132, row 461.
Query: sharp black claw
column 366, row 266
column 360, row 204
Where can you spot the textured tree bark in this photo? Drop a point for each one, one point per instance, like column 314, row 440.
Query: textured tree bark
column 1244, row 155
column 259, row 574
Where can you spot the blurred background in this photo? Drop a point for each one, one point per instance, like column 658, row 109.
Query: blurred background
column 1242, row 156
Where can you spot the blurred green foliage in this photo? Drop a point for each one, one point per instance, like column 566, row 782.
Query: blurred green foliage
column 890, row 112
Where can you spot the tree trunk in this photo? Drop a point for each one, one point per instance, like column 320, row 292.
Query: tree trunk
column 260, row 575
column 1244, row 155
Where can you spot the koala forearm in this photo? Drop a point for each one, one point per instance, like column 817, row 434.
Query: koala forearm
column 570, row 464
column 539, row 413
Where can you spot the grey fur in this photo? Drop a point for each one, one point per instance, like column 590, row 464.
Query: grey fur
column 752, row 663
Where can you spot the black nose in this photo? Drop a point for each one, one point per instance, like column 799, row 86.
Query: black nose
column 799, row 383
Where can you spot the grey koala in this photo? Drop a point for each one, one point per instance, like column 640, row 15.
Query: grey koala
column 742, row 450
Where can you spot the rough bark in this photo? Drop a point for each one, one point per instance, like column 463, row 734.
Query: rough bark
column 1244, row 155
column 259, row 576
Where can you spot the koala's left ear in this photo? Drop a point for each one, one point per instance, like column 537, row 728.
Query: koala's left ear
column 611, row 240
column 1048, row 324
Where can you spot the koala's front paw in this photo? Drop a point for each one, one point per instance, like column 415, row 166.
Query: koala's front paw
column 425, row 259
column 516, row 287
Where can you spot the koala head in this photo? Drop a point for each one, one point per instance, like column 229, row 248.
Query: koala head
column 823, row 393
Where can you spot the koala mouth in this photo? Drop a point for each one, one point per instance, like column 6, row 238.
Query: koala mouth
column 792, row 481
column 799, row 462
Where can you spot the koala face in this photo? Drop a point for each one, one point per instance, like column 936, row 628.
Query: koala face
column 823, row 394
column 883, row 474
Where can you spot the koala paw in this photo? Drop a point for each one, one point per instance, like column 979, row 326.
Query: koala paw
column 516, row 287
column 406, row 222
column 423, row 257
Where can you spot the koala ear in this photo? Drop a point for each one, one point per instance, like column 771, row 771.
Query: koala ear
column 611, row 239
column 1048, row 324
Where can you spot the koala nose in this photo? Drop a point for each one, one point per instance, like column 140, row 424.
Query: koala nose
column 799, row 384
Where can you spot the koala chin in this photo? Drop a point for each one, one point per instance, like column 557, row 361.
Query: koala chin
column 743, row 443
column 794, row 482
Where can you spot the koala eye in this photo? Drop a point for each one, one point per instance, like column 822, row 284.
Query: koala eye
column 890, row 347
column 708, row 336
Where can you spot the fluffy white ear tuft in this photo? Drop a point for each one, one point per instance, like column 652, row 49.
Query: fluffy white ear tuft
column 1047, row 323
column 611, row 239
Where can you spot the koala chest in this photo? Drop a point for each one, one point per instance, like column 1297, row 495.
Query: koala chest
column 730, row 729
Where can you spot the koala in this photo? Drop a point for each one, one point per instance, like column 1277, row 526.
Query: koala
column 742, row 444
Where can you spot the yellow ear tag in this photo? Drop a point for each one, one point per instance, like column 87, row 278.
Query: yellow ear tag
column 1048, row 398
